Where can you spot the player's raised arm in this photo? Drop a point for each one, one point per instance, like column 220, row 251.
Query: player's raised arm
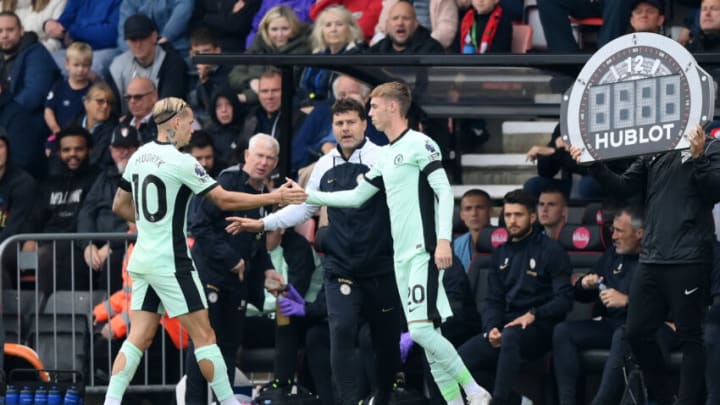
column 288, row 193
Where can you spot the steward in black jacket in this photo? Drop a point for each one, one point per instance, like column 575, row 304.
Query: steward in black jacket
column 680, row 189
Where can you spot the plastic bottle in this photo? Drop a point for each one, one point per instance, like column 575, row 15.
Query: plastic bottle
column 12, row 397
column 26, row 396
column 54, row 397
column 41, row 396
column 602, row 287
column 71, row 396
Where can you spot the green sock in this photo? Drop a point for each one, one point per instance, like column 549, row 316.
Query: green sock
column 220, row 384
column 120, row 381
column 442, row 358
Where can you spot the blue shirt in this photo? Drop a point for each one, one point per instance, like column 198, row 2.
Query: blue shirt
column 463, row 249
column 65, row 102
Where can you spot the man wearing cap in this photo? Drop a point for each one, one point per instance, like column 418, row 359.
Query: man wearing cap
column 57, row 208
column 161, row 63
column 647, row 16
column 96, row 214
column 93, row 22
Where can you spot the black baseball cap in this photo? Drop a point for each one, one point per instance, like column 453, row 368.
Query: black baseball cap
column 125, row 136
column 138, row 26
column 658, row 4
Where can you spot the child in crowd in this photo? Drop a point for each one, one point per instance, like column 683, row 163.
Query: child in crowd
column 65, row 100
column 485, row 28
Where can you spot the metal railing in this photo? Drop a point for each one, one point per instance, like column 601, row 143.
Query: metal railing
column 59, row 324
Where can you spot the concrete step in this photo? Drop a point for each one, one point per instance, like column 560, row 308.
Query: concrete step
column 500, row 169
column 519, row 136
column 496, row 191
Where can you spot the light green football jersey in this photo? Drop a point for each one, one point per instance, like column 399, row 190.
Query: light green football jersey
column 162, row 181
column 402, row 171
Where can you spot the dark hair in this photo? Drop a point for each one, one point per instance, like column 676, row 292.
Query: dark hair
column 476, row 192
column 636, row 214
column 200, row 139
column 203, row 36
column 521, row 196
column 75, row 130
column 348, row 105
column 13, row 15
column 554, row 190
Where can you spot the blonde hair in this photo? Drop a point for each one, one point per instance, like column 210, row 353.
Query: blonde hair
column 167, row 108
column 400, row 92
column 11, row 5
column 355, row 33
column 79, row 50
column 100, row 87
column 275, row 13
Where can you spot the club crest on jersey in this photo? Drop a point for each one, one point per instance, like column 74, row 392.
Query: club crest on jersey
column 399, row 159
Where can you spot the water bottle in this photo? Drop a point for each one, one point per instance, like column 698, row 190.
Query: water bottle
column 11, row 396
column 41, row 396
column 601, row 286
column 54, row 397
column 71, row 396
column 26, row 396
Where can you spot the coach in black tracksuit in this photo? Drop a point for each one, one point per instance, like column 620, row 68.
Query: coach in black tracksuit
column 529, row 292
column 680, row 189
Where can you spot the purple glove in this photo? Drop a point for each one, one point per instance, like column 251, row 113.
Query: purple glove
column 293, row 304
column 406, row 344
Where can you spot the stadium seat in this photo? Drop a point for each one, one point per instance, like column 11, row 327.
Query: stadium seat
column 522, row 35
column 61, row 340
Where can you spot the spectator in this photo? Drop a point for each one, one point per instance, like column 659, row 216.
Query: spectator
column 211, row 78
column 17, row 194
column 27, row 135
column 475, row 210
column 141, row 96
column 56, row 211
column 648, row 16
column 98, row 119
column 335, row 32
column 281, row 33
column 229, row 20
column 202, row 148
column 265, row 117
column 64, row 102
column 226, row 123
column 26, row 68
column 159, row 62
column 608, row 286
column 485, row 28
column 300, row 8
column 438, row 16
column 106, row 257
column 358, row 263
column 404, row 34
column 315, row 137
column 513, row 8
column 90, row 21
column 552, row 212
column 232, row 269
column 554, row 16
column 708, row 39
column 367, row 10
column 529, row 292
column 170, row 18
column 33, row 15
column 676, row 254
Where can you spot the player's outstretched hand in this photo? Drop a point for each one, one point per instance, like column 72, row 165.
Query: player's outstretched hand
column 291, row 193
column 240, row 224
